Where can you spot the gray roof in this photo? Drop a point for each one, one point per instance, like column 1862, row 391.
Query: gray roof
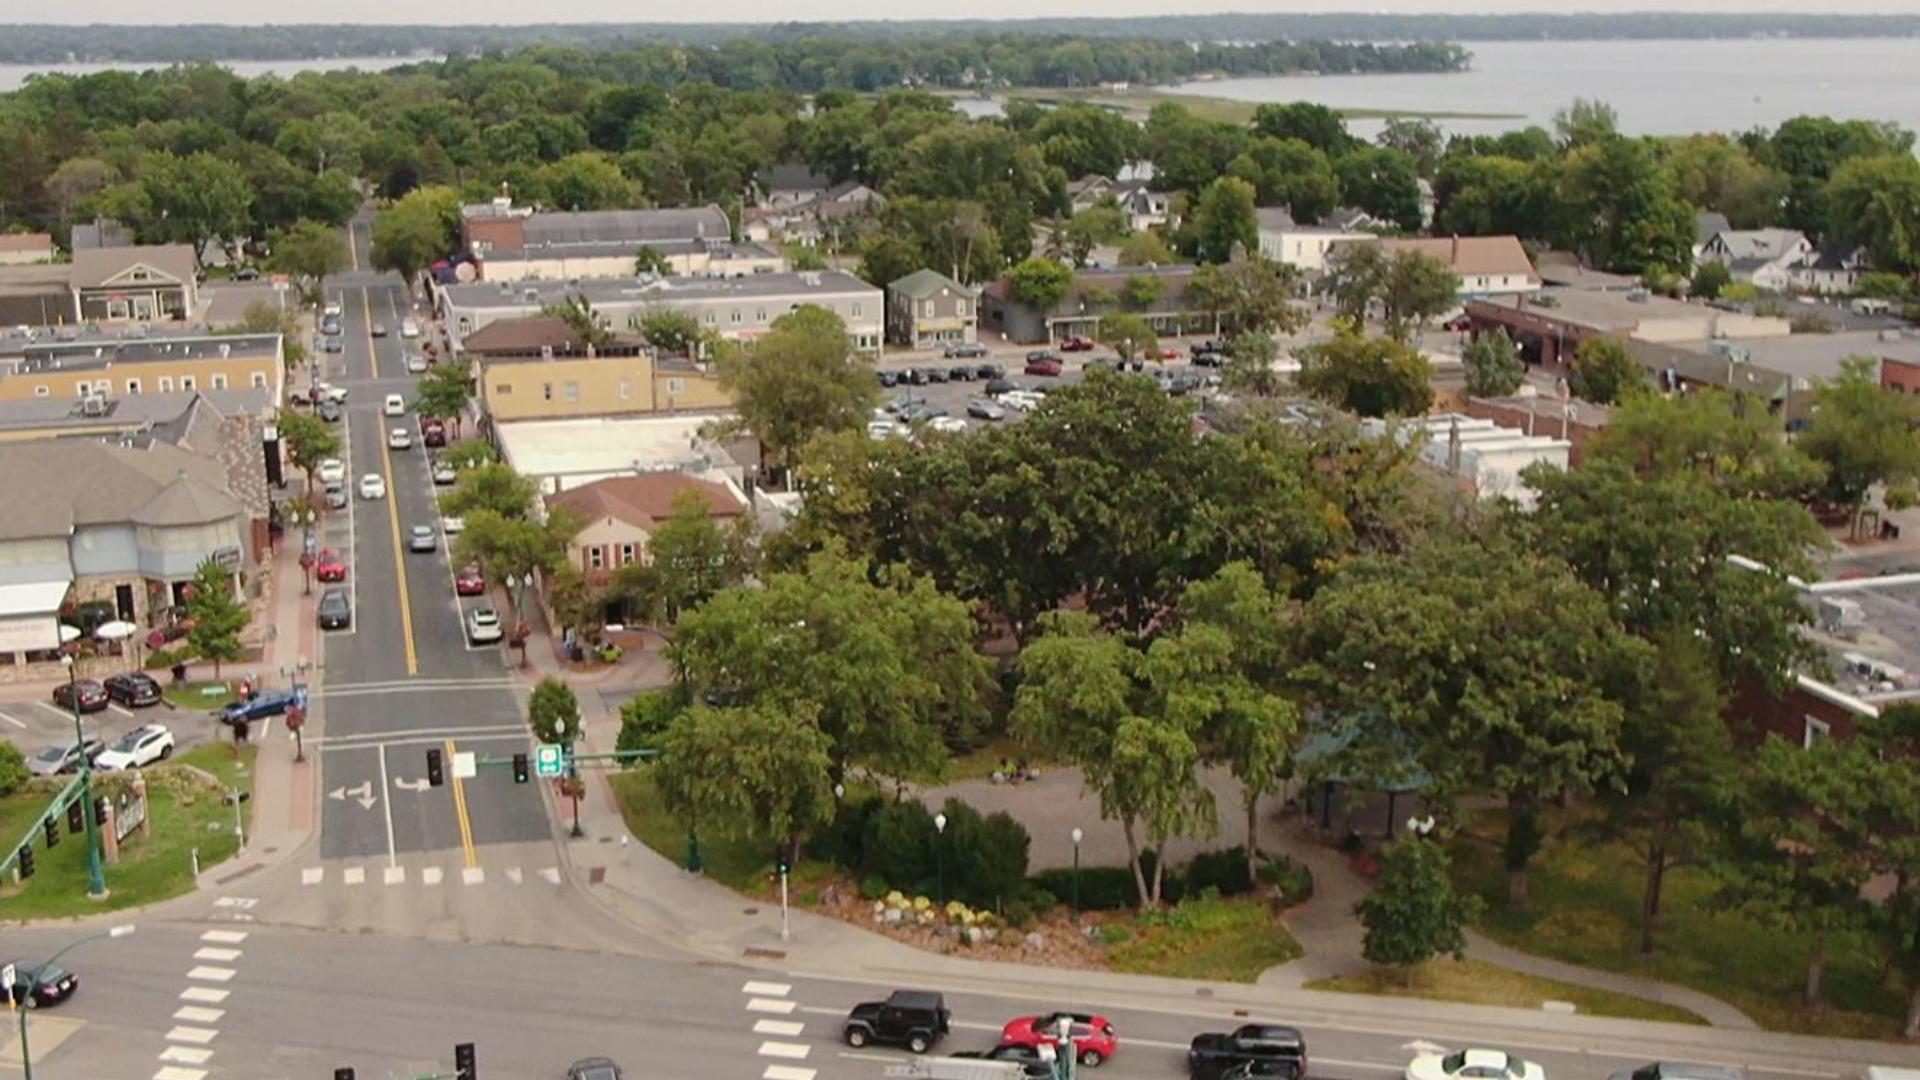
column 1274, row 217
column 135, row 412
column 1709, row 223
column 924, row 282
column 1817, row 356
column 720, row 248
column 794, row 177
column 34, row 279
column 15, row 340
column 58, row 485
column 83, row 355
column 519, row 294
column 646, row 226
column 94, row 267
column 1758, row 246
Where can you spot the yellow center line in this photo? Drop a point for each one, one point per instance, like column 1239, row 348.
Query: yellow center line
column 460, row 812
column 373, row 354
column 393, row 514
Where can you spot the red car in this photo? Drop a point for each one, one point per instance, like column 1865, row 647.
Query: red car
column 470, row 581
column 92, row 696
column 1093, row 1037
column 1168, row 354
column 1048, row 367
column 433, row 432
column 1076, row 344
column 330, row 567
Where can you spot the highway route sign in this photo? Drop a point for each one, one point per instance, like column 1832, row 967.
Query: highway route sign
column 547, row 760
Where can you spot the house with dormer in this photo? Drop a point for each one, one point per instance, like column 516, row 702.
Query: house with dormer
column 1763, row 258
column 143, row 283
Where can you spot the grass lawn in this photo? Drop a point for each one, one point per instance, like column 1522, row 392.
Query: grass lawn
column 1475, row 982
column 980, row 764
column 742, row 865
column 198, row 696
column 1586, row 905
column 183, row 814
column 1232, row 940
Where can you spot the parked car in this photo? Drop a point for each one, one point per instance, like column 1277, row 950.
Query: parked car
column 1211, row 1055
column 409, row 328
column 914, row 377
column 934, row 374
column 915, row 1019
column 1000, row 385
column 373, row 486
column 595, row 1068
column 336, row 496
column 399, row 439
column 331, row 325
column 1029, row 1061
column 416, row 364
column 889, row 378
column 433, row 432
column 960, row 373
column 469, row 581
column 332, row 310
column 444, row 474
column 331, row 471
column 483, row 626
column 134, row 689
column 51, row 983
column 1048, row 367
column 1076, row 343
column 328, row 392
column 884, row 429
column 989, row 371
column 143, row 745
column 1681, row 1070
column 329, row 411
column 1476, row 1063
column 89, row 693
column 334, row 345
column 335, row 611
column 258, row 707
column 330, row 566
column 379, row 330
column 963, row 350
column 246, row 273
column 982, row 409
column 452, row 523
column 420, row 539
column 1208, row 359
column 950, row 424
column 1093, row 1038
column 65, row 757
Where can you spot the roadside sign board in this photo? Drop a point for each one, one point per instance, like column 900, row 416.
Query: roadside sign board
column 464, row 765
column 7, row 977
column 300, row 696
column 547, row 760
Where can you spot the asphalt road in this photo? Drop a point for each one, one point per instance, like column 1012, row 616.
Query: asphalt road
column 404, row 678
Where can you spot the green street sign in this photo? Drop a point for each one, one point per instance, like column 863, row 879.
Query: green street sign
column 547, row 760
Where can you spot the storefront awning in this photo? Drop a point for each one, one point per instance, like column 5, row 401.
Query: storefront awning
column 29, row 615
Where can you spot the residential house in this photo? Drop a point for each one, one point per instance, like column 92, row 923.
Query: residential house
column 99, row 522
column 1089, row 191
column 1707, row 224
column 929, row 310
column 20, row 249
column 1303, row 247
column 538, row 368
column 1485, row 265
column 738, row 309
column 1828, row 270
column 790, row 185
column 1354, row 219
column 146, row 283
column 1157, row 293
column 832, row 216
column 1763, row 258
column 1145, row 208
column 109, row 368
column 37, row 295
column 620, row 514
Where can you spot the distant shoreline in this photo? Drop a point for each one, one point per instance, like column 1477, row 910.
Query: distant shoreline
column 1136, row 102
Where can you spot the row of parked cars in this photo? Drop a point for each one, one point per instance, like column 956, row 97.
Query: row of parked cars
column 921, row 376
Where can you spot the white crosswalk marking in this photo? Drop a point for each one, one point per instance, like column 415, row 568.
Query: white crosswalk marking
column 552, row 874
column 790, row 1051
column 217, row 955
column 206, row 995
column 224, row 937
column 175, row 1072
column 199, row 1035
column 211, row 974
column 430, row 876
column 770, row 1005
column 786, row 1029
column 241, row 902
column 200, row 1014
column 354, row 875
column 767, row 989
column 786, row 1072
column 312, row 875
column 473, row 875
column 513, row 874
column 394, row 875
column 185, row 1055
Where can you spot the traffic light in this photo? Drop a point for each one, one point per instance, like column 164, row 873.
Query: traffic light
column 783, row 856
column 343, row 1073
column 435, row 776
column 519, row 768
column 76, row 816
column 26, row 860
column 52, row 825
column 100, row 805
column 463, row 1062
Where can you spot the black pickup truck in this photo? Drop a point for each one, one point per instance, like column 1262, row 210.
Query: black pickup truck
column 1268, row 1049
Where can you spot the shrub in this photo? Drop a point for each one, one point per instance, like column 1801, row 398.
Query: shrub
column 1293, row 879
column 163, row 658
column 986, row 858
column 1225, row 871
column 842, row 842
column 13, row 769
column 644, row 719
column 1102, row 888
column 897, row 844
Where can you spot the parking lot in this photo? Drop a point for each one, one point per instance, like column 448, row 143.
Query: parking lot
column 30, row 720
column 950, row 398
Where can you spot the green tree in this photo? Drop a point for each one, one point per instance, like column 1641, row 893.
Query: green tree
column 218, row 613
column 1603, row 371
column 1810, row 149
column 1730, row 440
column 13, row 769
column 494, row 487
column 553, row 712
column 587, row 324
column 515, row 546
column 758, row 771
column 1713, row 172
column 422, row 226
column 1865, row 436
column 444, row 392
column 1617, row 207
column 1368, row 376
column 1709, row 278
column 1129, row 335
column 648, row 260
column 1318, row 126
column 1224, row 219
column 1145, row 249
column 1414, row 913
column 674, row 332
column 645, row 718
column 312, row 251
column 1249, row 367
column 1418, row 138
column 309, row 441
column 798, row 381
column 466, row 455
column 1586, row 121
column 1493, row 365
column 588, row 180
column 1491, row 196
column 1254, row 295
column 1040, row 282
column 689, row 557
column 1874, row 202
column 1139, row 291
column 1289, row 173
column 198, row 199
column 1384, row 182
column 261, row 317
column 1410, row 287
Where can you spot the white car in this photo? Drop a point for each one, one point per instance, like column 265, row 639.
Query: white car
column 452, row 523
column 373, row 486
column 399, row 439
column 331, row 471
column 416, row 363
column 329, row 392
column 332, row 310
column 884, row 429
column 483, row 626
column 409, row 328
column 143, row 745
column 395, row 405
column 1474, row 1064
column 947, row 423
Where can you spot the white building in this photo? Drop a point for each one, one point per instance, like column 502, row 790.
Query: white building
column 1303, row 247
column 1763, row 258
column 1483, row 457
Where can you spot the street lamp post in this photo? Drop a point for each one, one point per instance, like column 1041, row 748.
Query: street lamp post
column 96, row 877
column 1077, row 837
column 33, row 981
column 567, row 737
column 940, row 854
column 305, row 518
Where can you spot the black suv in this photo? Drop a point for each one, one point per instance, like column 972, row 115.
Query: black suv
column 136, row 689
column 915, row 1019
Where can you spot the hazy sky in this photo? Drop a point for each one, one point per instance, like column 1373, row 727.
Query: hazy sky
column 520, row 11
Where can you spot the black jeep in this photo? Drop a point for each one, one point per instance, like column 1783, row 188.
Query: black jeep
column 914, row 1019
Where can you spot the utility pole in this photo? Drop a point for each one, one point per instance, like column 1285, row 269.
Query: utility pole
column 96, row 877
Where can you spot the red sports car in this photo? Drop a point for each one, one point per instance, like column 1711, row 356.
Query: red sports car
column 1076, row 344
column 470, row 581
column 330, row 566
column 1049, row 368
column 1093, row 1037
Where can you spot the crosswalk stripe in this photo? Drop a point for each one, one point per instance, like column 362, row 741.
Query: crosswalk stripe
column 551, row 874
column 473, row 875
column 786, row 1029
column 430, row 876
column 175, row 1072
column 786, row 1072
column 198, row 1014
column 211, row 974
column 241, row 902
column 185, row 1055
column 394, row 875
column 790, row 1051
column 216, row 954
column 312, row 875
column 354, row 875
column 513, row 874
column 199, row 1035
column 767, row 989
column 224, row 937
column 770, row 1005
column 204, row 994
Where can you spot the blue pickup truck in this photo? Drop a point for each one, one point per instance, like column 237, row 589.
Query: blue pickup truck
column 258, row 707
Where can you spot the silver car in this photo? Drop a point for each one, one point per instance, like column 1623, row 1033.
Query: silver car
column 63, row 757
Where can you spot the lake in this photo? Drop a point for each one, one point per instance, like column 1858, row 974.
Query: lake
column 13, row 76
column 1658, row 87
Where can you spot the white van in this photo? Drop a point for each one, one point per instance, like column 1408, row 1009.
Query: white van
column 409, row 328
column 396, row 405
